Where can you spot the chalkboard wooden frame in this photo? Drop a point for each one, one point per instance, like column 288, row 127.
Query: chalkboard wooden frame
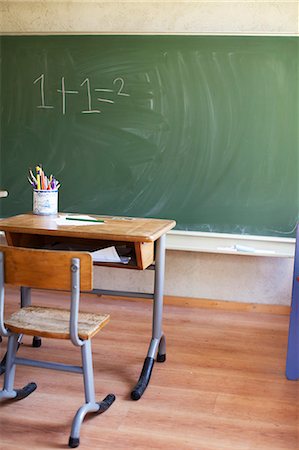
column 204, row 128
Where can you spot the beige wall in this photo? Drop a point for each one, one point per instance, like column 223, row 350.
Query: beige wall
column 190, row 274
column 242, row 16
column 252, row 279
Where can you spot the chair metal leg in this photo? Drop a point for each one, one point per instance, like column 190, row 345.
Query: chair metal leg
column 3, row 361
column 88, row 377
column 3, row 364
column 90, row 406
column 9, row 376
column 8, row 392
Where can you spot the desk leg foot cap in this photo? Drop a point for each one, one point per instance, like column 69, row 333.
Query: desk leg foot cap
column 106, row 403
column 36, row 341
column 25, row 391
column 74, row 442
column 135, row 395
column 144, row 378
column 161, row 358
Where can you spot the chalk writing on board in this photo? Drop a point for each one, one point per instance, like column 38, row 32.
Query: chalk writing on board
column 64, row 92
column 122, row 83
column 42, row 91
column 118, row 82
column 90, row 110
column 105, row 100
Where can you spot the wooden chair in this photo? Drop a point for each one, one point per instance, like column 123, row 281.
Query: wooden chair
column 60, row 270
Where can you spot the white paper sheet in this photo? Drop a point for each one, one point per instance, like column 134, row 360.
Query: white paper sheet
column 62, row 220
column 108, row 254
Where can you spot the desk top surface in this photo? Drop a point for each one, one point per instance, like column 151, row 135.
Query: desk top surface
column 114, row 228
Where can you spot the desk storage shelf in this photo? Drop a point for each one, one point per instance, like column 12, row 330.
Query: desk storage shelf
column 141, row 253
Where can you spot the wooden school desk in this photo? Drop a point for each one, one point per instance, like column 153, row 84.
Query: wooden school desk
column 141, row 239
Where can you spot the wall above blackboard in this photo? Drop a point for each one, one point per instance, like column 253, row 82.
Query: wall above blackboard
column 201, row 129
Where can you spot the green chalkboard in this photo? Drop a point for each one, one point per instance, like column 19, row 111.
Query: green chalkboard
column 200, row 129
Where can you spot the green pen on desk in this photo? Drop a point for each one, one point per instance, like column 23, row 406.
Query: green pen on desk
column 84, row 220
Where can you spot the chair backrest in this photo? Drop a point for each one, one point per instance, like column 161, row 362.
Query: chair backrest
column 45, row 269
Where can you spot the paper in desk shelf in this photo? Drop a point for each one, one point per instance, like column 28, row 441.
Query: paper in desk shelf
column 108, row 254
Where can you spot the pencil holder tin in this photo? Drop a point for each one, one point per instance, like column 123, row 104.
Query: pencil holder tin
column 45, row 202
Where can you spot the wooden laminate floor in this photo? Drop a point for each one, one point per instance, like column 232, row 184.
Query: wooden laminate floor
column 222, row 387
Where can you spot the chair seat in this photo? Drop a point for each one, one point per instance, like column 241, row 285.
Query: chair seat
column 54, row 322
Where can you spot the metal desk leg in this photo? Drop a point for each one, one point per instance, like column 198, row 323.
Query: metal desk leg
column 292, row 364
column 25, row 296
column 26, row 301
column 157, row 343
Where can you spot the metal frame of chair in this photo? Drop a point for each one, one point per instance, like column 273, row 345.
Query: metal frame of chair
column 72, row 264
